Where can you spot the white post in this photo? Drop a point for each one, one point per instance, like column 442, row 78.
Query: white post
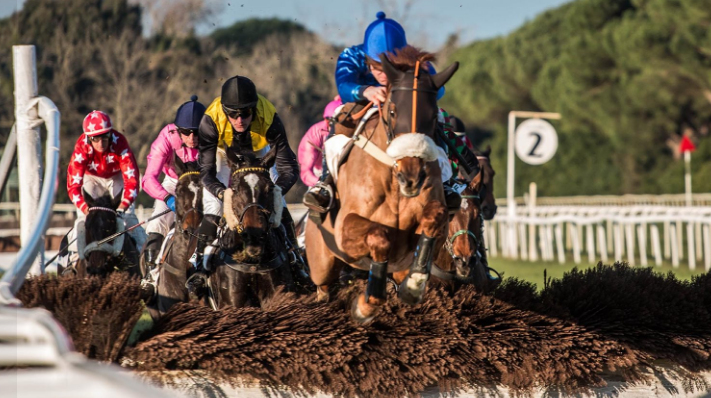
column 510, row 162
column 687, row 176
column 532, row 194
column 29, row 150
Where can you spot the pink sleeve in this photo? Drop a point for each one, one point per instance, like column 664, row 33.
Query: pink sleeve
column 309, row 154
column 157, row 158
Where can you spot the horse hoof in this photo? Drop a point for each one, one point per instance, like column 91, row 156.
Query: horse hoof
column 322, row 296
column 412, row 289
column 356, row 313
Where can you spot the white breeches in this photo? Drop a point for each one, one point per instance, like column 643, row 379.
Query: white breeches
column 96, row 186
column 164, row 223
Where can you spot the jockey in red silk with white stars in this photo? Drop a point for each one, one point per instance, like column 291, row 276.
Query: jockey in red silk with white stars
column 102, row 161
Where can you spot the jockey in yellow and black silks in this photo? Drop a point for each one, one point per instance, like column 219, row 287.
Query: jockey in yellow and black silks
column 240, row 118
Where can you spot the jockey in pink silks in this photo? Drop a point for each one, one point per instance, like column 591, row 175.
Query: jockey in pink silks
column 311, row 146
column 178, row 138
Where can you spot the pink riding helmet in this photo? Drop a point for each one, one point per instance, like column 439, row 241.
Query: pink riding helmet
column 331, row 107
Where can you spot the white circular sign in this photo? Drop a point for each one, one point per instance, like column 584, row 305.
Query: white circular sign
column 535, row 141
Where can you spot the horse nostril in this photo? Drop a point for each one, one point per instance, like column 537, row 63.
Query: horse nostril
column 400, row 178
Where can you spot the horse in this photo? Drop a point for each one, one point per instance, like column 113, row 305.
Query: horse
column 174, row 268
column 392, row 210
column 101, row 222
column 252, row 260
column 464, row 259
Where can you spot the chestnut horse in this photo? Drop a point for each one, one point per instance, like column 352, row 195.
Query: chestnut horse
column 464, row 258
column 252, row 260
column 392, row 210
column 174, row 268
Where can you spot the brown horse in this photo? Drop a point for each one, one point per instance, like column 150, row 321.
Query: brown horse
column 392, row 211
column 464, row 260
column 101, row 222
column 174, row 268
column 252, row 260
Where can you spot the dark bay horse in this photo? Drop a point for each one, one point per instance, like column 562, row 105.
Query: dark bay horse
column 392, row 211
column 101, row 222
column 464, row 258
column 174, row 268
column 252, row 260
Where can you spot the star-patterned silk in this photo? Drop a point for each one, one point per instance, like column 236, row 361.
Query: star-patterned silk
column 85, row 160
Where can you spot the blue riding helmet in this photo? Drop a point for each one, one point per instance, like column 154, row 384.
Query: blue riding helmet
column 383, row 35
column 189, row 114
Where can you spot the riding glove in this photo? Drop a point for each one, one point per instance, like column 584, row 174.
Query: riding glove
column 170, row 202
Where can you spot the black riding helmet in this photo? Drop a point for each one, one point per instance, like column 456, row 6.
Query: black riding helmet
column 239, row 92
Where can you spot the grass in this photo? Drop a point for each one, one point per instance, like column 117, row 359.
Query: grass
column 144, row 323
column 533, row 271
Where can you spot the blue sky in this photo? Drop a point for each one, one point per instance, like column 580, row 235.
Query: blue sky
column 428, row 23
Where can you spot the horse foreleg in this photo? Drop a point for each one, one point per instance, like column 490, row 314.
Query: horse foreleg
column 412, row 288
column 377, row 244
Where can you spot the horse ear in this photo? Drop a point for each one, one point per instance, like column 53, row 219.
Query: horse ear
column 116, row 201
column 487, row 152
column 179, row 165
column 391, row 72
column 233, row 159
column 443, row 77
column 87, row 198
column 269, row 159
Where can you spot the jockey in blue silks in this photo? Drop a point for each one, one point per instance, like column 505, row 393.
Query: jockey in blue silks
column 359, row 78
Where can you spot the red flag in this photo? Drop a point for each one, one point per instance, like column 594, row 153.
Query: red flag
column 686, row 145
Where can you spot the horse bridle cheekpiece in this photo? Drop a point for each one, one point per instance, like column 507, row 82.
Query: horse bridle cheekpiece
column 114, row 248
column 415, row 89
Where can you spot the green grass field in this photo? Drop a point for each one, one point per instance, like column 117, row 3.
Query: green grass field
column 533, row 271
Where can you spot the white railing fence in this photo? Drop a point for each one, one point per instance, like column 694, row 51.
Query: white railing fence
column 634, row 234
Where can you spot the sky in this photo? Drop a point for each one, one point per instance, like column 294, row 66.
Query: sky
column 428, row 23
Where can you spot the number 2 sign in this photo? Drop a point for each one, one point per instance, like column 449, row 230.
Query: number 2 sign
column 535, row 141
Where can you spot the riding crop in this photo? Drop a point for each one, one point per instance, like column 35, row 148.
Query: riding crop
column 112, row 237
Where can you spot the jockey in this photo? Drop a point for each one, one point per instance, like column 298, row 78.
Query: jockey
column 102, row 161
column 360, row 77
column 311, row 146
column 180, row 139
column 239, row 118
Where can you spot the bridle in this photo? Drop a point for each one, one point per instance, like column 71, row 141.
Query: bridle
column 388, row 123
column 261, row 210
column 194, row 209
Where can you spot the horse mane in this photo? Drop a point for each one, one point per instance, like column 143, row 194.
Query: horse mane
column 405, row 58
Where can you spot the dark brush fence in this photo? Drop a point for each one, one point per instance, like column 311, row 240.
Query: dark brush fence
column 563, row 338
column 98, row 313
column 607, row 319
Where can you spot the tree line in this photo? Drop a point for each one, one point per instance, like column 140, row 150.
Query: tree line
column 630, row 78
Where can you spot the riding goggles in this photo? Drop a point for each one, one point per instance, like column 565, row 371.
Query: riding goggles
column 186, row 132
column 102, row 137
column 237, row 113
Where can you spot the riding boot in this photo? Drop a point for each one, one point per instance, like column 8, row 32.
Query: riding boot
column 452, row 198
column 153, row 245
column 319, row 198
column 295, row 258
column 197, row 282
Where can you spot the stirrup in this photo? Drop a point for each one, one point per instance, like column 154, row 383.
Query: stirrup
column 315, row 206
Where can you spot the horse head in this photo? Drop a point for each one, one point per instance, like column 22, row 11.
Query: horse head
column 411, row 107
column 250, row 202
column 101, row 222
column 483, row 185
column 188, row 195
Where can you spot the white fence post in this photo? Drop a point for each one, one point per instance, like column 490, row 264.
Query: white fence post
column 29, row 150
